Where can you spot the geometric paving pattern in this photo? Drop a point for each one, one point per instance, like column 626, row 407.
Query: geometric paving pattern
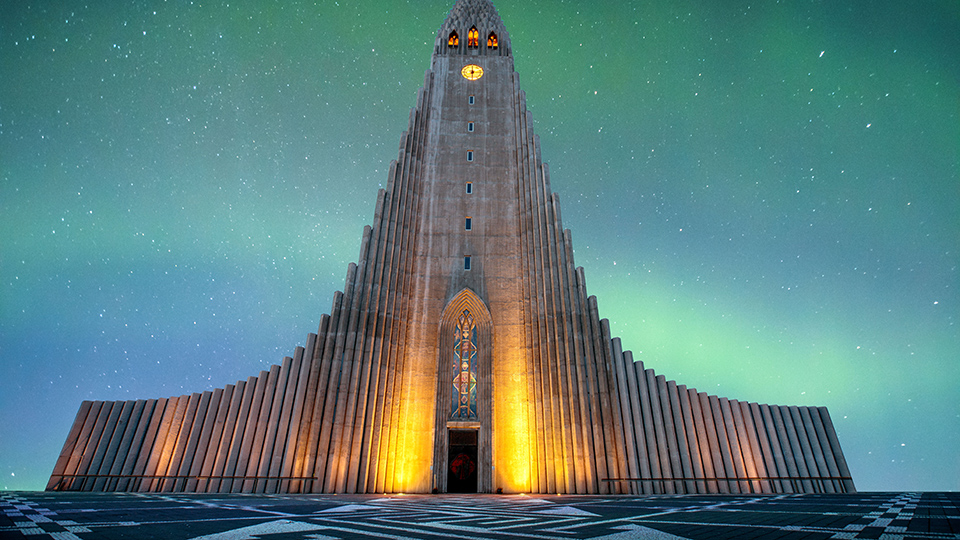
column 884, row 516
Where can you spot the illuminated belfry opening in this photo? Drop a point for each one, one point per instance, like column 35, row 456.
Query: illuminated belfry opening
column 457, row 358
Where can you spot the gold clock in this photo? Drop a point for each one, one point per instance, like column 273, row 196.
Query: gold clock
column 471, row 72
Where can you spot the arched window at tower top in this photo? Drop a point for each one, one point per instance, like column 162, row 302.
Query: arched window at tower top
column 453, row 40
column 492, row 40
column 473, row 38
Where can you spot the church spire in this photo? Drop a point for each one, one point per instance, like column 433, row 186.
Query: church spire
column 474, row 28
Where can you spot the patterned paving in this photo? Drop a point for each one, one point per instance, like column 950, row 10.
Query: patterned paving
column 883, row 516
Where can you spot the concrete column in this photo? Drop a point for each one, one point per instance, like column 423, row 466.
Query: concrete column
column 749, row 446
column 134, row 447
column 663, row 450
column 796, row 453
column 95, row 442
column 629, row 440
column 705, row 457
column 149, row 443
column 113, row 435
column 713, row 442
column 173, row 424
column 229, row 434
column 183, row 427
column 681, row 437
column 190, row 457
column 691, row 443
column 815, row 450
column 724, row 443
column 649, row 431
column 239, row 435
column 848, row 486
column 279, row 408
column 752, row 412
column 299, row 373
column 638, row 435
column 219, row 405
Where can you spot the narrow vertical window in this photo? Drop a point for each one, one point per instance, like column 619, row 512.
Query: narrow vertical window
column 468, row 224
column 466, row 262
column 473, row 38
column 469, row 188
column 469, row 155
column 492, row 41
column 471, row 100
column 464, row 395
column 453, row 40
column 470, row 127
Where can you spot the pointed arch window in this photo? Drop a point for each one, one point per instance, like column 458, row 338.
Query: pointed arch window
column 473, row 38
column 453, row 40
column 464, row 395
column 492, row 42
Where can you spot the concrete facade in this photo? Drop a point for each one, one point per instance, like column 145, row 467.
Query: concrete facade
column 466, row 230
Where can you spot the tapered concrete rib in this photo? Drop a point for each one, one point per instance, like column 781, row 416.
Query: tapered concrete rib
column 835, row 485
column 176, row 441
column 230, row 428
column 130, row 447
column 776, row 448
column 627, row 416
column 748, row 448
column 736, row 447
column 572, row 365
column 723, row 442
column 93, row 443
column 692, row 445
column 333, row 352
column 670, row 434
column 189, row 451
column 638, row 436
column 216, row 417
column 239, row 433
column 150, row 442
column 815, row 450
column 795, row 450
column 649, row 430
column 60, row 468
column 656, row 408
column 681, row 436
column 805, row 449
column 256, row 424
column 313, row 457
column 713, row 440
column 119, row 423
column 847, row 483
column 83, row 440
column 268, row 446
column 295, row 431
column 703, row 440
column 763, row 455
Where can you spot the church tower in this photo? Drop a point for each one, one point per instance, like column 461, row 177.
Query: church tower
column 463, row 355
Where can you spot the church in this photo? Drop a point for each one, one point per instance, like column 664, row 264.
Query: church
column 463, row 355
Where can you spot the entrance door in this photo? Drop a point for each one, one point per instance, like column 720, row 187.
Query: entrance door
column 462, row 461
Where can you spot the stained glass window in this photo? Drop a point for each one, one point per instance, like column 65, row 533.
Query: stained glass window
column 453, row 40
column 473, row 38
column 492, row 40
column 464, row 396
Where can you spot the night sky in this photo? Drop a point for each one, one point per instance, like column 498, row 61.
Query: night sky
column 765, row 197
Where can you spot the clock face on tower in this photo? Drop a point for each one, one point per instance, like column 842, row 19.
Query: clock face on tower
column 471, row 72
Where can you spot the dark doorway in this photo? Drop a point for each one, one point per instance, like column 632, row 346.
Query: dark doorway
column 462, row 461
